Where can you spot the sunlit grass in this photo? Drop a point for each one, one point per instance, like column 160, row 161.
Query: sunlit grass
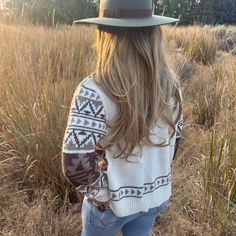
column 39, row 71
column 198, row 43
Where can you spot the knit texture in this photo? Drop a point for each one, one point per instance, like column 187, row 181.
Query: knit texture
column 138, row 185
column 86, row 126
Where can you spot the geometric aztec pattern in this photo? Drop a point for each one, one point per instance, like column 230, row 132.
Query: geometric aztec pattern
column 138, row 192
column 85, row 127
column 86, row 123
column 179, row 127
column 93, row 189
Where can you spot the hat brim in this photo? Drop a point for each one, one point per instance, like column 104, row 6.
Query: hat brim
column 129, row 22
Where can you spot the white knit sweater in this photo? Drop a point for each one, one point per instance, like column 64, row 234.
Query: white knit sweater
column 131, row 187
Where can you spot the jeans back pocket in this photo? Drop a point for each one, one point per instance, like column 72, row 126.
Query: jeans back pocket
column 103, row 219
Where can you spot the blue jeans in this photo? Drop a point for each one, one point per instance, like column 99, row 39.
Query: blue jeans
column 97, row 223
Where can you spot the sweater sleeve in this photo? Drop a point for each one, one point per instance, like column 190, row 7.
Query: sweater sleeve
column 179, row 127
column 86, row 126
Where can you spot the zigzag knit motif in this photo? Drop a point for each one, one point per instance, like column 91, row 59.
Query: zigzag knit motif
column 86, row 123
column 85, row 127
column 179, row 127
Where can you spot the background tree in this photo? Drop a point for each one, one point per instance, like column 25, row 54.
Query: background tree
column 50, row 12
column 70, row 10
column 214, row 12
column 175, row 8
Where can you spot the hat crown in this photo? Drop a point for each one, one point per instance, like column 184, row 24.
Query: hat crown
column 127, row 13
column 126, row 4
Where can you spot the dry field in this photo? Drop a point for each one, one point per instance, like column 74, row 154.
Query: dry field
column 39, row 70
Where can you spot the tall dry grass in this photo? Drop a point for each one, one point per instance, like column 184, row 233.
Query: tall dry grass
column 39, row 70
column 197, row 43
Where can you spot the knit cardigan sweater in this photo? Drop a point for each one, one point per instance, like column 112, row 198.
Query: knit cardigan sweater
column 138, row 185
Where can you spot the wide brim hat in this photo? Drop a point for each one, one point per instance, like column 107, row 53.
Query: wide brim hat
column 127, row 13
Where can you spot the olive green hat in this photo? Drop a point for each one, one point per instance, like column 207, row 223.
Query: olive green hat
column 127, row 13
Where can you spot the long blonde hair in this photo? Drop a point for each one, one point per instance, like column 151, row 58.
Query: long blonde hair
column 133, row 71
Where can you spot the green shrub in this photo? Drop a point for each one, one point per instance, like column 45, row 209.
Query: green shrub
column 233, row 51
column 228, row 41
column 220, row 32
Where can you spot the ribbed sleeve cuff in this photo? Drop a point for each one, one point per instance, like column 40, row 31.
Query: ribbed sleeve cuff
column 103, row 195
